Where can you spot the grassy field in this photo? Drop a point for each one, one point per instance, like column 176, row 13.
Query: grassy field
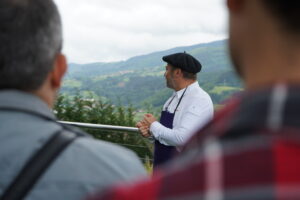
column 221, row 89
column 72, row 83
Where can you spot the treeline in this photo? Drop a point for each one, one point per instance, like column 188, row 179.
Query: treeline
column 140, row 81
column 96, row 111
column 141, row 88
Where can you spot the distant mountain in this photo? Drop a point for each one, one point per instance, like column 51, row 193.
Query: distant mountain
column 139, row 80
column 203, row 52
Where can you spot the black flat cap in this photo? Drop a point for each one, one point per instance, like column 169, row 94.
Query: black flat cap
column 183, row 61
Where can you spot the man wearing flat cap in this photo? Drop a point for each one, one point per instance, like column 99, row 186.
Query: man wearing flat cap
column 188, row 109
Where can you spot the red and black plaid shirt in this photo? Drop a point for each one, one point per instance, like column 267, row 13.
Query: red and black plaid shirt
column 250, row 151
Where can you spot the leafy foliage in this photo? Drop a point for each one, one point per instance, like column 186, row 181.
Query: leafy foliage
column 89, row 110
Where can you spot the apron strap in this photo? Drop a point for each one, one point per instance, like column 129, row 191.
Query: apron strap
column 181, row 99
column 170, row 103
column 178, row 102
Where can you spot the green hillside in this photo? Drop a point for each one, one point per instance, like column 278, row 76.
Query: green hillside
column 139, row 80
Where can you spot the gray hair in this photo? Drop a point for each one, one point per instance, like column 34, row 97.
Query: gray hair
column 30, row 38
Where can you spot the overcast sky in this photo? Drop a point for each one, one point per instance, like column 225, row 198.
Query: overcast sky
column 114, row 30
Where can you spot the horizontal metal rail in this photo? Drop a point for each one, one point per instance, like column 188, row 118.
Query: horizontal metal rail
column 110, row 128
column 102, row 126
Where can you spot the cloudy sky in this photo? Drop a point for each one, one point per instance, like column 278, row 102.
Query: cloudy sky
column 114, row 30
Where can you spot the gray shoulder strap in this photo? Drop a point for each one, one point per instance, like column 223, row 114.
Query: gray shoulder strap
column 37, row 165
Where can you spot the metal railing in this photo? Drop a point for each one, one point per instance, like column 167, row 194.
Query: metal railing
column 109, row 128
column 101, row 126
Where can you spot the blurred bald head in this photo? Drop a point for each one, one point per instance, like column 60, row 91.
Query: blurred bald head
column 286, row 13
column 264, row 40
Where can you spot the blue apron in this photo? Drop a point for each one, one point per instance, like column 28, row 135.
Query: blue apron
column 163, row 153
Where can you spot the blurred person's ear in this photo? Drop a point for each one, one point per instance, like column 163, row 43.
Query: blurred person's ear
column 60, row 68
column 235, row 5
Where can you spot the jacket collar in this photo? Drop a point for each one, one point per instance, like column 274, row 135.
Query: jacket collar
column 24, row 101
column 190, row 87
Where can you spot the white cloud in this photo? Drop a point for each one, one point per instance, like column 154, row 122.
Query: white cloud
column 111, row 30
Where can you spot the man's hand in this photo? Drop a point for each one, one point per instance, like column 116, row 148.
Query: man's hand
column 144, row 125
column 143, row 128
column 149, row 119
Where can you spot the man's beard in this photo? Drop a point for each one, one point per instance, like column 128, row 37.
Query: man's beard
column 170, row 83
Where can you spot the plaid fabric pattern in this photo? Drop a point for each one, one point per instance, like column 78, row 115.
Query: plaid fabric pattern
column 250, row 151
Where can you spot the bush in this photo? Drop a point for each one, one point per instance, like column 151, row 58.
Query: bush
column 95, row 111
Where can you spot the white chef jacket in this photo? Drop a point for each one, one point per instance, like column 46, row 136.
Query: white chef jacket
column 194, row 111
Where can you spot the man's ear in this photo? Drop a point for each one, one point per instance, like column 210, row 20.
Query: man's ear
column 235, row 5
column 179, row 73
column 60, row 68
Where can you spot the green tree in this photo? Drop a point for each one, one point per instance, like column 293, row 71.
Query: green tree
column 96, row 111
